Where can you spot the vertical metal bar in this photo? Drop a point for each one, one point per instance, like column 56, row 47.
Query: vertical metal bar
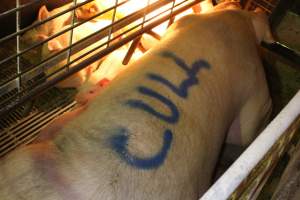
column 145, row 11
column 19, row 84
column 71, row 35
column 112, row 21
column 172, row 18
column 135, row 43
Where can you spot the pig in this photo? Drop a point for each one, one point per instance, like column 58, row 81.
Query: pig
column 28, row 13
column 63, row 41
column 92, row 8
column 107, row 67
column 156, row 130
column 55, row 25
column 42, row 32
column 49, row 28
column 83, row 99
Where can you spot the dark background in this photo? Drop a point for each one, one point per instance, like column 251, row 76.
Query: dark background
column 28, row 13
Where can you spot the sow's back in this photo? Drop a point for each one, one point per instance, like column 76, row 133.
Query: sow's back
column 156, row 131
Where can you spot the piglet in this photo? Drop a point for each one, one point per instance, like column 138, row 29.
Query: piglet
column 63, row 41
column 157, row 129
column 106, row 68
column 55, row 25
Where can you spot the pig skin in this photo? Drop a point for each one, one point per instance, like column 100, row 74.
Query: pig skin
column 93, row 156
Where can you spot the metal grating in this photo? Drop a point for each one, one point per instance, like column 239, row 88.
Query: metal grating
column 22, row 125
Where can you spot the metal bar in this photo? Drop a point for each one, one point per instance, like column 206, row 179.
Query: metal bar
column 171, row 20
column 112, row 22
column 268, row 3
column 145, row 13
column 241, row 168
column 71, row 34
column 131, row 50
column 284, row 52
column 43, row 87
column 135, row 43
column 141, row 48
column 154, row 35
column 279, row 12
column 18, row 24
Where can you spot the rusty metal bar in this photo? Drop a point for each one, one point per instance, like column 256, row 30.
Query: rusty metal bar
column 131, row 50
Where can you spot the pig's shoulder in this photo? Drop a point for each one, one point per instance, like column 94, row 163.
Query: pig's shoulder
column 230, row 17
column 227, row 18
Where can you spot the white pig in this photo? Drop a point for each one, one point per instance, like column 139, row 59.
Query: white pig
column 55, row 25
column 107, row 67
column 63, row 41
column 156, row 131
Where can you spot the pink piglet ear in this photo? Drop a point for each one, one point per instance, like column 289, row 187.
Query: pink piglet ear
column 54, row 45
column 43, row 13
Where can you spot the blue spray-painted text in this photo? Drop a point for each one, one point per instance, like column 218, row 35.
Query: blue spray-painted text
column 120, row 140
